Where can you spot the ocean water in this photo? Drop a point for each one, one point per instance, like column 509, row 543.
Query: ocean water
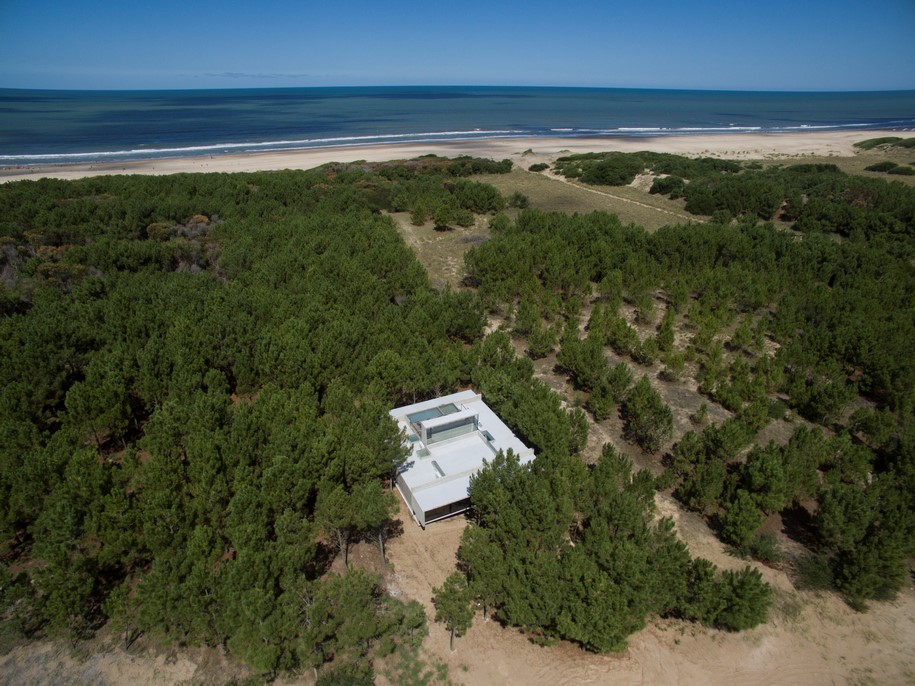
column 61, row 127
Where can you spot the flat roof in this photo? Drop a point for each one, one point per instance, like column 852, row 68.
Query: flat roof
column 439, row 473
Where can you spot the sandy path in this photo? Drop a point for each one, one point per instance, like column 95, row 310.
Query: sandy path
column 677, row 215
column 735, row 146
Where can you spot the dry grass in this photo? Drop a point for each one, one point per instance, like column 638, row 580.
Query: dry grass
column 441, row 252
column 856, row 164
column 554, row 194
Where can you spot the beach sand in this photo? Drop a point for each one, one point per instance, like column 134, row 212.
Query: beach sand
column 522, row 150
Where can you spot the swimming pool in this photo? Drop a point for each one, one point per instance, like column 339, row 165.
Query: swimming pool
column 440, row 411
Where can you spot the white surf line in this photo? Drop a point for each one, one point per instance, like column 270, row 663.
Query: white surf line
column 562, row 179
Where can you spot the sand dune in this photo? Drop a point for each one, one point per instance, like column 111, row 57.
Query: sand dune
column 528, row 150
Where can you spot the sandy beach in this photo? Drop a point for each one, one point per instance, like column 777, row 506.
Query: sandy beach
column 528, row 150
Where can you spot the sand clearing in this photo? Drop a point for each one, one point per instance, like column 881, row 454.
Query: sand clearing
column 525, row 151
column 809, row 639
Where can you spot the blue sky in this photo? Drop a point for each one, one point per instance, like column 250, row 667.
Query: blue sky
column 736, row 44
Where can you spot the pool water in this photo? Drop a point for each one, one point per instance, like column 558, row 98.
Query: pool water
column 440, row 411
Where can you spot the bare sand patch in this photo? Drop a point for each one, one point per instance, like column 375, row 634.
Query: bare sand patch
column 809, row 638
column 51, row 662
column 524, row 151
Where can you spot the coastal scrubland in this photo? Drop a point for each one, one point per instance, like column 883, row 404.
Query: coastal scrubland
column 718, row 386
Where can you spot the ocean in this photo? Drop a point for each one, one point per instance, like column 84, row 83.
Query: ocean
column 69, row 127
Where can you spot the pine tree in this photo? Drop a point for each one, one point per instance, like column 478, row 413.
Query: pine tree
column 336, row 515
column 373, row 508
column 452, row 605
column 649, row 422
column 746, row 599
column 485, row 564
column 741, row 519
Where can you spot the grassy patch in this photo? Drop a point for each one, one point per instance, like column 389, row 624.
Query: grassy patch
column 631, row 205
column 441, row 252
column 787, row 607
column 813, row 572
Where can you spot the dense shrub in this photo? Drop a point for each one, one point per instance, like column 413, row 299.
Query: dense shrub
column 250, row 354
column 575, row 553
column 881, row 166
column 671, row 186
column 872, row 143
column 840, row 311
column 613, row 171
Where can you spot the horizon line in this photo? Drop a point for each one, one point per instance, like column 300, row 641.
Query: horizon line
column 467, row 85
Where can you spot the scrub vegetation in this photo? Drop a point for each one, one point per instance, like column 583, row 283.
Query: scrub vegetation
column 817, row 319
column 195, row 373
column 886, row 142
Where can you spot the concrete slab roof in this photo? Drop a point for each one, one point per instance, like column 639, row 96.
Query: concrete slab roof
column 438, row 473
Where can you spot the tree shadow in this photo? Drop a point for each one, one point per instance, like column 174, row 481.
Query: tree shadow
column 797, row 523
column 392, row 529
column 321, row 562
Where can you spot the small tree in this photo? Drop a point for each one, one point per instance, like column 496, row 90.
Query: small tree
column 673, row 367
column 618, row 381
column 741, row 520
column 442, row 216
column 540, row 341
column 452, row 605
column 418, row 215
column 484, row 560
column 519, row 200
column 601, row 401
column 101, row 401
column 746, row 599
column 764, row 477
column 703, row 599
column 122, row 608
column 649, row 422
column 665, row 336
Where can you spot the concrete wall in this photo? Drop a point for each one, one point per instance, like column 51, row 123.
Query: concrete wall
column 407, row 495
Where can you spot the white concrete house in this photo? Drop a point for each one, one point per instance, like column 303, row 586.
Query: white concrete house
column 449, row 437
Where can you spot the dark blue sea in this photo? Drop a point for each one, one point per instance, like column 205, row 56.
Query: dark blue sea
column 61, row 127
